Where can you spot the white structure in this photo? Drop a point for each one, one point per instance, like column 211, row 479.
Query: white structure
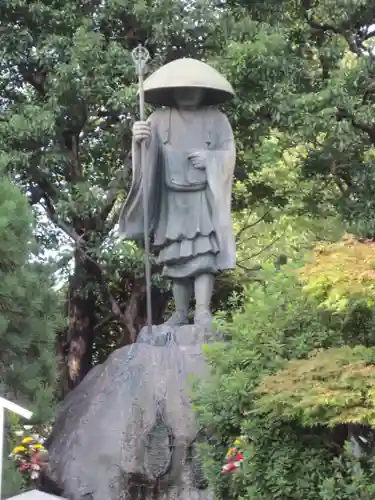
column 34, row 495
column 22, row 412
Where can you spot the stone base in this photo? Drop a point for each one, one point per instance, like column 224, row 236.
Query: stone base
column 128, row 431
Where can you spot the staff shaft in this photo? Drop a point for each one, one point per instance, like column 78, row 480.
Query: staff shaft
column 145, row 210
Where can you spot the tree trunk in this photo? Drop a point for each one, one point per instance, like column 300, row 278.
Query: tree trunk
column 85, row 322
column 80, row 331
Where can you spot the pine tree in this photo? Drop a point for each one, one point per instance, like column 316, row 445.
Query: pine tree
column 28, row 316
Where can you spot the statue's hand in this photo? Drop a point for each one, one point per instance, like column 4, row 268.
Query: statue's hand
column 197, row 159
column 142, row 131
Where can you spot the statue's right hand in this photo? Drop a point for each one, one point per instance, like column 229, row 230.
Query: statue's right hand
column 142, row 131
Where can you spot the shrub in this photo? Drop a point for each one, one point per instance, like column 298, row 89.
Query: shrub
column 264, row 386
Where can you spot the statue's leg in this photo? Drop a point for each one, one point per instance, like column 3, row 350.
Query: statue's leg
column 203, row 288
column 182, row 291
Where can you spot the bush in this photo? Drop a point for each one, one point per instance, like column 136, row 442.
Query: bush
column 263, row 386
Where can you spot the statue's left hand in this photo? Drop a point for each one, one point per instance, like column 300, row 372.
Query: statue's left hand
column 197, row 159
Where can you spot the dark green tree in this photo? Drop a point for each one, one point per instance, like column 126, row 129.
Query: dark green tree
column 29, row 309
column 68, row 99
column 305, row 69
column 29, row 316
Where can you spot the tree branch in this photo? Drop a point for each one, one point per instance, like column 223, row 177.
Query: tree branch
column 351, row 39
column 53, row 216
column 104, row 321
column 131, row 310
column 110, row 224
column 364, row 127
column 34, row 76
column 368, row 35
column 261, row 250
column 321, row 26
column 247, row 226
column 79, row 241
column 109, row 203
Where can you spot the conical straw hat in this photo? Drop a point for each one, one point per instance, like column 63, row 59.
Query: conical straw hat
column 187, row 72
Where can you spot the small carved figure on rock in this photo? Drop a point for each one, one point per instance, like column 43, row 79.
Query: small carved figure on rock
column 189, row 163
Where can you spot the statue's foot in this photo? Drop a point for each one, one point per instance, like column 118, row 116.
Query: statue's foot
column 203, row 319
column 177, row 319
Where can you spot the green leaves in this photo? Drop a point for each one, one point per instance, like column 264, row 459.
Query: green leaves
column 332, row 387
column 29, row 309
column 289, row 383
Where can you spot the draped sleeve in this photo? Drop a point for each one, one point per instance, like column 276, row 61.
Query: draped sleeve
column 131, row 215
column 220, row 164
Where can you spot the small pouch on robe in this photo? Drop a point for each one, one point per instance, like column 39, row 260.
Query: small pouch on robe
column 180, row 173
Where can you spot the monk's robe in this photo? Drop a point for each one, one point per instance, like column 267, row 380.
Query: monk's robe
column 189, row 208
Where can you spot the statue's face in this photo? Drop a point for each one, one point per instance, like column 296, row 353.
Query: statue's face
column 188, row 97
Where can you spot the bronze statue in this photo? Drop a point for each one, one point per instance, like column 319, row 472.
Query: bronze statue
column 189, row 162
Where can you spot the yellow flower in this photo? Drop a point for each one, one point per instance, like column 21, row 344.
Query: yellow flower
column 38, row 447
column 237, row 442
column 27, row 440
column 18, row 449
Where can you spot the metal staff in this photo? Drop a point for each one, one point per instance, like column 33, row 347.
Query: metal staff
column 140, row 57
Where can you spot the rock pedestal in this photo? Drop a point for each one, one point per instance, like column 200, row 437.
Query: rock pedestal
column 128, row 431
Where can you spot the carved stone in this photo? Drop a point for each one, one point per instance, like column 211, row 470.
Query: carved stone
column 128, row 431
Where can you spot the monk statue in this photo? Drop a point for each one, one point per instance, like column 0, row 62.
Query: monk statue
column 190, row 159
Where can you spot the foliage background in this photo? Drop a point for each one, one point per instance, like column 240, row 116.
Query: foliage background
column 303, row 120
